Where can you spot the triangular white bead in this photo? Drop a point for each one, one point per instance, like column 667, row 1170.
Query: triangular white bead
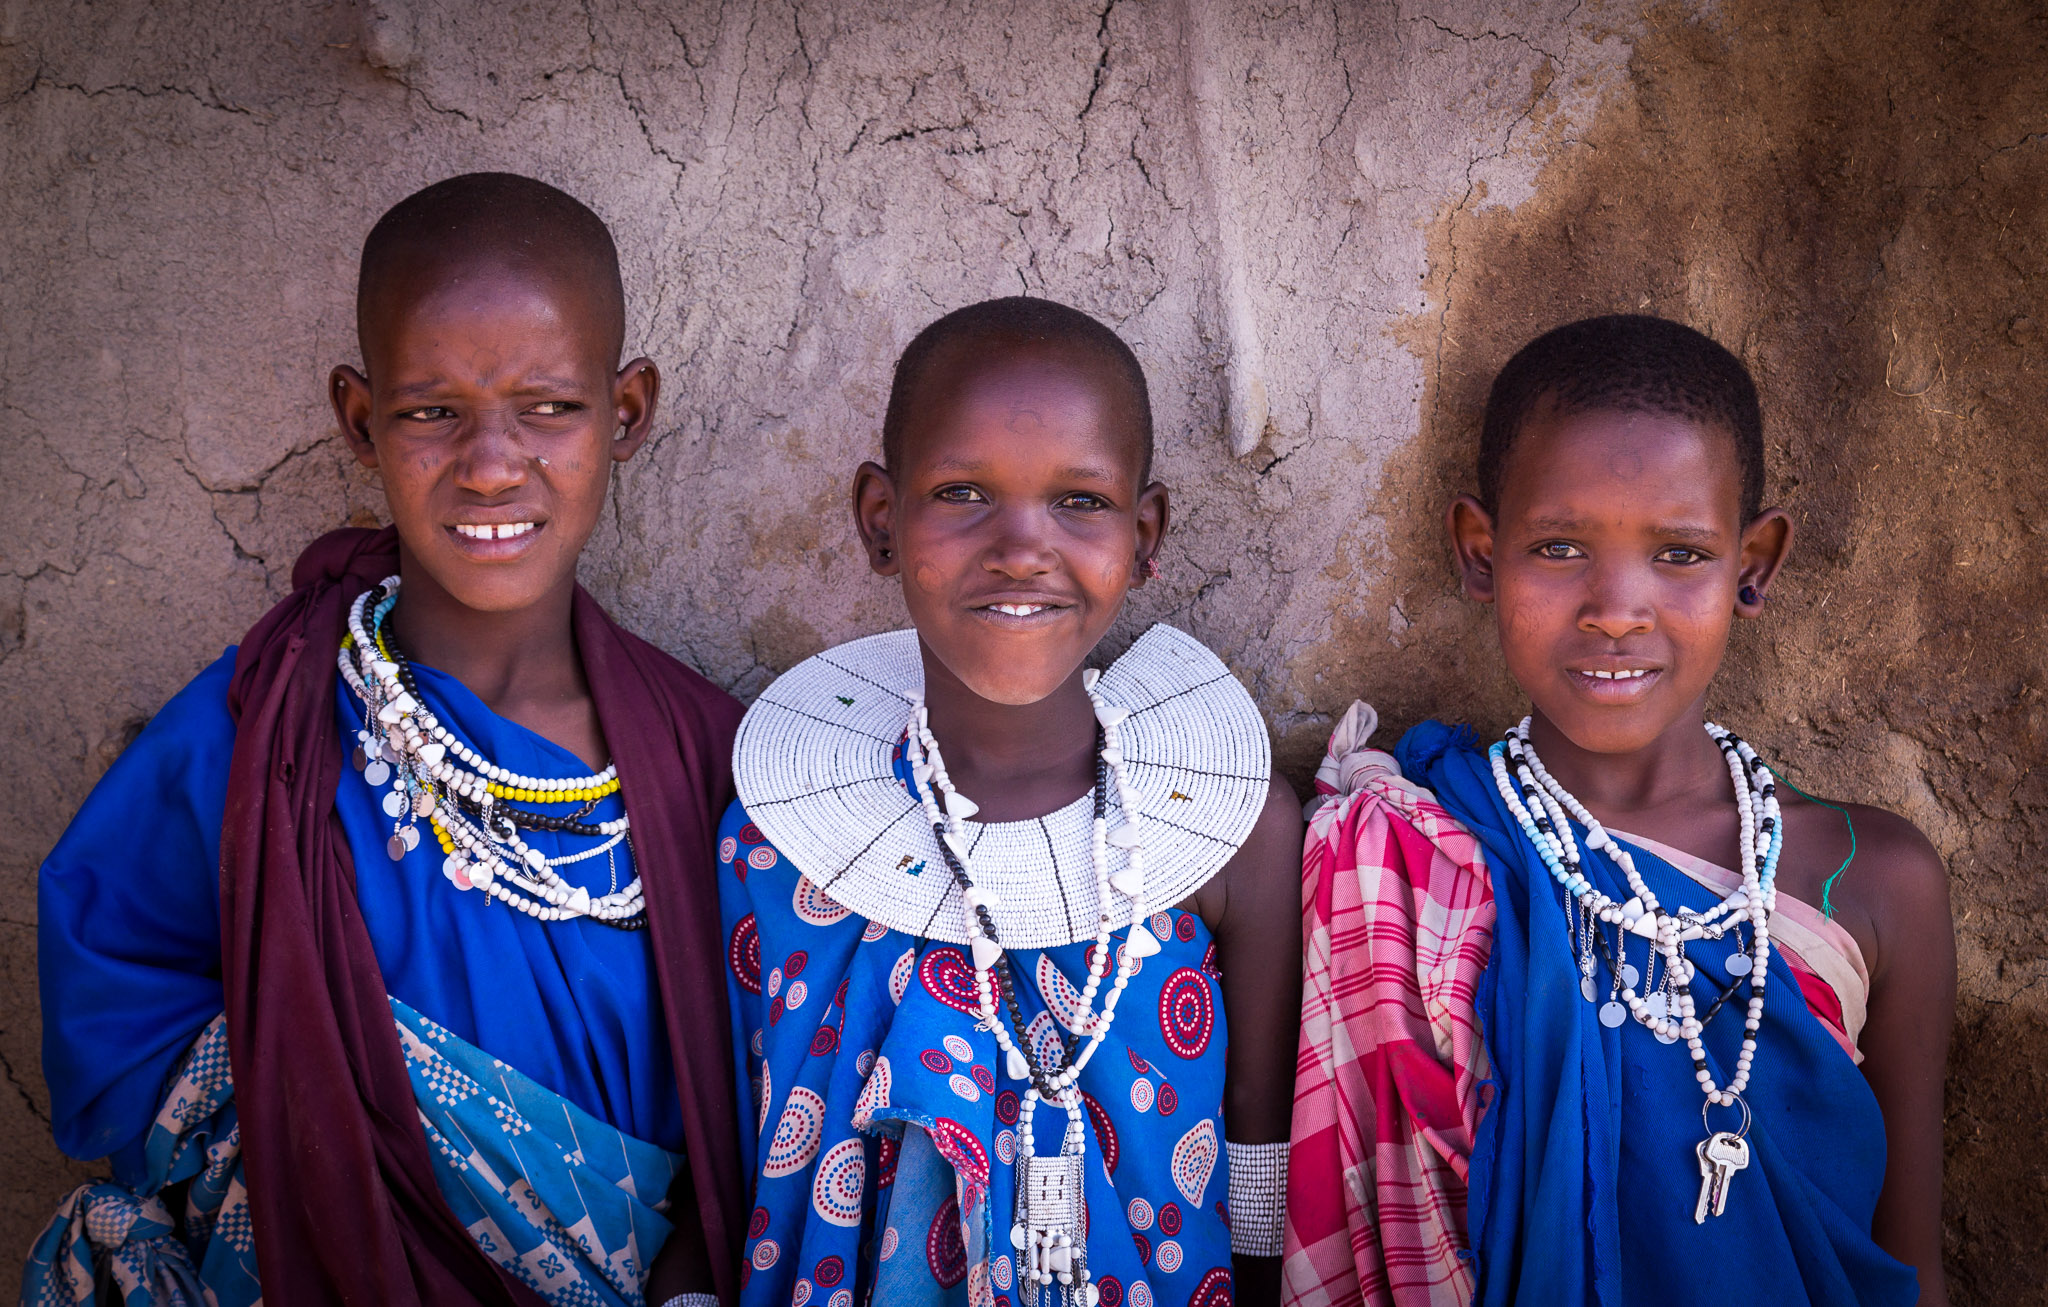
column 432, row 752
column 986, row 952
column 579, row 902
column 384, row 670
column 958, row 845
column 1089, row 676
column 1645, row 925
column 959, row 805
column 1142, row 943
column 1129, row 882
column 1111, row 715
column 1018, row 1068
column 1124, row 836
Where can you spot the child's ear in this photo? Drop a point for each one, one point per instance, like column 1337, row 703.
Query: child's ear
column 349, row 391
column 634, row 396
column 1471, row 530
column 1766, row 542
column 874, row 516
column 1155, row 513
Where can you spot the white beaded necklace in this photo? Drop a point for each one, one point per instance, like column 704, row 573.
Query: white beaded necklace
column 1048, row 1229
column 434, row 775
column 1669, row 1013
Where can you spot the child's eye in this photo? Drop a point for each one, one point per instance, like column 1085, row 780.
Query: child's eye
column 1085, row 501
column 958, row 495
column 554, row 408
column 1681, row 555
column 1557, row 550
column 431, row 413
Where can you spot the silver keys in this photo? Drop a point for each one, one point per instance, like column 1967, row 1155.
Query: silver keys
column 1721, row 1156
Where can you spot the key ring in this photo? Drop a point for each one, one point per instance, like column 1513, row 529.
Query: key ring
column 1708, row 1103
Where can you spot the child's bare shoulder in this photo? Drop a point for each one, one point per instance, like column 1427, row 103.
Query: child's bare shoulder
column 1895, row 884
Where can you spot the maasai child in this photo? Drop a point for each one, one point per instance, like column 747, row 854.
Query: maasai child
column 1714, row 1037
column 1012, row 943
column 426, row 861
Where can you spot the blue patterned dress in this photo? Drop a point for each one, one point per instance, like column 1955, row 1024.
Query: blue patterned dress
column 854, row 1031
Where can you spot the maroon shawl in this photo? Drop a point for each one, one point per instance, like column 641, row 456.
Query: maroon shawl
column 340, row 1184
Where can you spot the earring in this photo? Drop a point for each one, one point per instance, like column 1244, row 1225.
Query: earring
column 1152, row 568
column 1750, row 595
column 887, row 554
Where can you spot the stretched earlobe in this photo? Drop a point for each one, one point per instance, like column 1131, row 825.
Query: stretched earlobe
column 1750, row 595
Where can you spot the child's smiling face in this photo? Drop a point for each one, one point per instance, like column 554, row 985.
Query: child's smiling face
column 1616, row 563
column 490, row 411
column 1018, row 518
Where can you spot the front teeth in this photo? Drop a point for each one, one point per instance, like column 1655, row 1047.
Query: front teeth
column 1019, row 610
column 487, row 532
column 1620, row 676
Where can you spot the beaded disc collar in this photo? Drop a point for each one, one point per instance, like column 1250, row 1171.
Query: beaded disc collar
column 815, row 765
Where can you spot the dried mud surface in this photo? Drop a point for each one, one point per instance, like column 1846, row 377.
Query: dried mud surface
column 1321, row 226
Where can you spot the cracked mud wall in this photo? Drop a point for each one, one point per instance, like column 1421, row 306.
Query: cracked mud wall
column 1321, row 227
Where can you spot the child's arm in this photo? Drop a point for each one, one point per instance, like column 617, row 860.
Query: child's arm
column 1254, row 910
column 1903, row 887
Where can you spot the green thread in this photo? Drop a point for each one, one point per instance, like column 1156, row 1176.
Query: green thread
column 1827, row 907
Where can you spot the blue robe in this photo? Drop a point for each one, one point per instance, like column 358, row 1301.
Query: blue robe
column 129, row 935
column 1584, row 1178
column 887, row 1130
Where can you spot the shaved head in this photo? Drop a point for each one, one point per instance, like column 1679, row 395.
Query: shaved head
column 489, row 220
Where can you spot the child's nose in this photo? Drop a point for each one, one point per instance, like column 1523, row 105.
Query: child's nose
column 1617, row 603
column 1022, row 545
column 493, row 460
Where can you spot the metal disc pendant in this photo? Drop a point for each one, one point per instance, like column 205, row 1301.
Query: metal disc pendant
column 377, row 772
column 396, row 848
column 1019, row 1236
column 410, row 836
column 1612, row 1014
column 1629, row 975
column 394, row 804
column 1738, row 964
column 1655, row 1005
column 358, row 759
column 1588, row 988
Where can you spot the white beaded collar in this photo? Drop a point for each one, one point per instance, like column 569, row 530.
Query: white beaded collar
column 813, row 764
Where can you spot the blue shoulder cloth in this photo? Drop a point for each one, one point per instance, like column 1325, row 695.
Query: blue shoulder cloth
column 1584, row 1177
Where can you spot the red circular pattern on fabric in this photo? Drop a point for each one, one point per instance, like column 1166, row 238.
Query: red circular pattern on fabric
column 936, row 1062
column 1223, row 1212
column 829, row 1271
column 957, row 1144
column 1169, row 1219
column 839, row 995
column 1144, row 1248
column 885, row 1161
column 757, row 1224
column 1211, row 964
column 1168, row 1100
column 1006, row 1107
column 983, row 1077
column 1105, row 1133
column 943, row 1247
column 1112, row 1291
column 1185, row 928
column 1138, row 1064
column 825, row 1042
column 1214, row 1289
column 744, row 954
column 1187, row 1013
column 750, row 834
column 775, row 1011
column 949, row 979
column 794, row 967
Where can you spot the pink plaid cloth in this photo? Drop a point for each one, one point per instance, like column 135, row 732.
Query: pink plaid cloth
column 1397, row 922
